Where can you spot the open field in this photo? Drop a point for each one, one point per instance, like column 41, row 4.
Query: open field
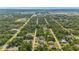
column 39, row 31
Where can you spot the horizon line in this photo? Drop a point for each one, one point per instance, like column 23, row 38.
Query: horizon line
column 39, row 7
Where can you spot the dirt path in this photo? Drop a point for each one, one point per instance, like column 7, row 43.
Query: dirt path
column 63, row 27
column 34, row 38
column 51, row 31
column 15, row 35
column 56, row 39
column 46, row 21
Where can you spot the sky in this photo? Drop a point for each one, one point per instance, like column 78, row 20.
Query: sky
column 39, row 3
